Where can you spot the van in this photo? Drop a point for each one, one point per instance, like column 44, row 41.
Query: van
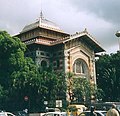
column 75, row 110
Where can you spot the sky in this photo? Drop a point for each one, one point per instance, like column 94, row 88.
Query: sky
column 100, row 17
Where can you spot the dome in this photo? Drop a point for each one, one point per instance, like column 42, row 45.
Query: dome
column 42, row 22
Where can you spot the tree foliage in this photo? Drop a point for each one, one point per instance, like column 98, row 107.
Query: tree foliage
column 17, row 74
column 108, row 76
column 51, row 84
column 20, row 77
column 80, row 89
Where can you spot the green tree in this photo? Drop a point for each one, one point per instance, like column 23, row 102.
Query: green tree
column 51, row 84
column 11, row 59
column 80, row 89
column 18, row 75
column 108, row 78
column 61, row 89
column 25, row 83
column 3, row 97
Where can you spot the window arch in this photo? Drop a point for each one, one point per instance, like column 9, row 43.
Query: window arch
column 43, row 63
column 80, row 67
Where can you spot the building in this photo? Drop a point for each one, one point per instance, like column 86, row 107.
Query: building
column 48, row 45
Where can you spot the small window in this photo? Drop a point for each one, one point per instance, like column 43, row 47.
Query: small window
column 47, row 54
column 54, row 63
column 43, row 63
column 54, row 54
column 58, row 63
column 42, row 53
column 60, row 53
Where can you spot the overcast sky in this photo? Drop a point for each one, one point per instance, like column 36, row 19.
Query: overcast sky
column 100, row 17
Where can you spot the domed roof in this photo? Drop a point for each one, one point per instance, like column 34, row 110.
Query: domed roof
column 42, row 22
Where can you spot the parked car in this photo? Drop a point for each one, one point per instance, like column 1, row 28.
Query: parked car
column 2, row 113
column 52, row 109
column 98, row 112
column 20, row 113
column 55, row 114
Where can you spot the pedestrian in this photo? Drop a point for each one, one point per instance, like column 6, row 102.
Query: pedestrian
column 113, row 111
column 92, row 111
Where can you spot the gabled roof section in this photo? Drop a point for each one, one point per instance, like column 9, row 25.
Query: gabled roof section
column 85, row 37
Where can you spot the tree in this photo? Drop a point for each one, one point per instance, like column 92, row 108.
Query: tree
column 108, row 78
column 3, row 97
column 80, row 89
column 25, row 83
column 11, row 57
column 18, row 75
column 51, row 84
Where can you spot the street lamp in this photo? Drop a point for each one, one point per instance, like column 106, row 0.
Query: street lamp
column 118, row 35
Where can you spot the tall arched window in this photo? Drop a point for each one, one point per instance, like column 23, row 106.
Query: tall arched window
column 80, row 67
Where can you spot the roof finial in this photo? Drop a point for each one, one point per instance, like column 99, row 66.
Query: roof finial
column 41, row 15
column 41, row 12
column 85, row 29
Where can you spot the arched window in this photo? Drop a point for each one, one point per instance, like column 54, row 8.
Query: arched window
column 80, row 67
column 43, row 63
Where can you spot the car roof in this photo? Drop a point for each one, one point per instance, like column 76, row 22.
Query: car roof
column 2, row 112
column 77, row 106
column 101, row 112
column 96, row 111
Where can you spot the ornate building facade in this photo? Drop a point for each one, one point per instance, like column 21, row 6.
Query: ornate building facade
column 48, row 45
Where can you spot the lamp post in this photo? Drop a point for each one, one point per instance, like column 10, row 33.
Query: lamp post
column 118, row 35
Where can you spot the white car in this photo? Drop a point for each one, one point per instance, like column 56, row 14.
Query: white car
column 98, row 112
column 55, row 114
column 6, row 114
